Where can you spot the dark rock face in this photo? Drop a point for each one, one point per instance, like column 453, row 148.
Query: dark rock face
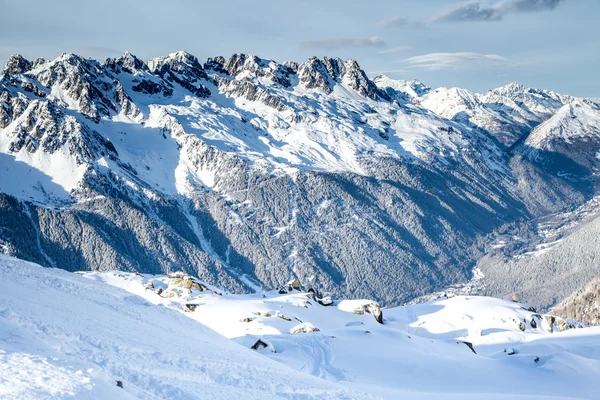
column 183, row 69
column 82, row 80
column 17, row 64
column 319, row 298
column 47, row 129
column 33, row 88
column 246, row 87
column 216, row 64
column 126, row 63
column 11, row 107
column 241, row 62
column 313, row 74
column 324, row 74
column 358, row 80
column 260, row 344
column 40, row 61
column 249, row 91
column 259, row 67
column 125, row 102
column 147, row 86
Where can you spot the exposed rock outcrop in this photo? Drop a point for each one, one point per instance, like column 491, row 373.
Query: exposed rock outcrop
column 304, row 328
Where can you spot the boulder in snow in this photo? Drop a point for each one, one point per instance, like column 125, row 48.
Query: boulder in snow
column 186, row 282
column 306, row 327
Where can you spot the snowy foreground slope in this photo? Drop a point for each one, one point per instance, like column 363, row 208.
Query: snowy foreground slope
column 65, row 336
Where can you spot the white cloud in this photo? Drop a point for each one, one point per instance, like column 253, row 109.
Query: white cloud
column 437, row 61
column 478, row 10
column 403, row 23
column 399, row 49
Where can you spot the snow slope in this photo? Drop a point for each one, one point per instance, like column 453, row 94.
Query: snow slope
column 418, row 351
column 63, row 336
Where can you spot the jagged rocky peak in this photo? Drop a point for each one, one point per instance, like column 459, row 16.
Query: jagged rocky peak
column 511, row 89
column 467, row 97
column 183, row 68
column 215, row 64
column 518, row 92
column 313, row 74
column 355, row 78
column 531, row 104
column 45, row 127
column 17, row 64
column 293, row 66
column 323, row 74
column 400, row 90
column 144, row 81
column 256, row 66
column 80, row 81
column 239, row 77
column 238, row 63
column 68, row 66
column 75, row 60
column 335, row 67
column 39, row 62
column 568, row 142
column 180, row 61
column 127, row 63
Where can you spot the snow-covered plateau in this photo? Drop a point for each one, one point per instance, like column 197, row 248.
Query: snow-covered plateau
column 113, row 335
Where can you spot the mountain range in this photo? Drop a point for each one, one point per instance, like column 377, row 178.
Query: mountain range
column 248, row 173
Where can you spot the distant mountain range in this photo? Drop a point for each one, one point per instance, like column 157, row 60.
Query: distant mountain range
column 248, row 173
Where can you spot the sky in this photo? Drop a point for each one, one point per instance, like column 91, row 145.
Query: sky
column 475, row 44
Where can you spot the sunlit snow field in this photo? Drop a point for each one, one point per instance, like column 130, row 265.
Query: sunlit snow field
column 65, row 335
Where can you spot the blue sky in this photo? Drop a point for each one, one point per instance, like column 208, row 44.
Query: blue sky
column 553, row 44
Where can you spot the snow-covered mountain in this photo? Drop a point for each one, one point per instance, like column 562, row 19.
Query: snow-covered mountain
column 105, row 335
column 249, row 172
column 413, row 88
column 569, row 141
column 508, row 112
